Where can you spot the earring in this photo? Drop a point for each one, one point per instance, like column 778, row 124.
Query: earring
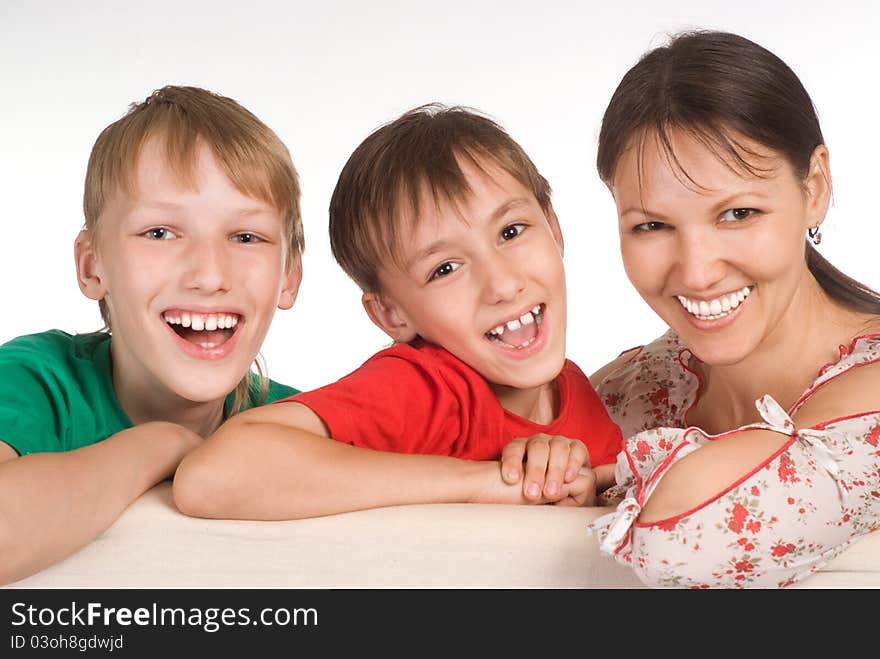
column 815, row 234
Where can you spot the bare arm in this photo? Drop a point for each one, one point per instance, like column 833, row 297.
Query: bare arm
column 51, row 504
column 276, row 462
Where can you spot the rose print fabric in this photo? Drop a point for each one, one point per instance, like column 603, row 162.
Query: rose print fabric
column 792, row 514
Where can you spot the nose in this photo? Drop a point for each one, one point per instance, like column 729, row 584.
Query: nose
column 503, row 279
column 701, row 259
column 205, row 267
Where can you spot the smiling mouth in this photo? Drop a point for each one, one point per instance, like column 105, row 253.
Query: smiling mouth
column 518, row 332
column 205, row 330
column 717, row 308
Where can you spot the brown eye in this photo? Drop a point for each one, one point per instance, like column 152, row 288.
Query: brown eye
column 738, row 214
column 512, row 231
column 646, row 227
column 445, row 269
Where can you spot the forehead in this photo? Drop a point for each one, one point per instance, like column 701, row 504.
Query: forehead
column 489, row 188
column 654, row 163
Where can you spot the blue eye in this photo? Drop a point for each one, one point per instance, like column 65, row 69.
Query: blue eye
column 445, row 269
column 511, row 231
column 159, row 233
column 246, row 238
column 647, row 227
column 738, row 214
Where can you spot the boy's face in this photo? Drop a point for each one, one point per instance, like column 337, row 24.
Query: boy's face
column 484, row 279
column 191, row 278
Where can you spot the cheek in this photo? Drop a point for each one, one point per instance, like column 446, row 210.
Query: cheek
column 645, row 265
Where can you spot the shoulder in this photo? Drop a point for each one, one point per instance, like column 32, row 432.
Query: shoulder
column 648, row 386
column 849, row 387
column 53, row 351
column 659, row 360
column 51, row 383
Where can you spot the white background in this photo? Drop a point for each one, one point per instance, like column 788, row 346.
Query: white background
column 325, row 74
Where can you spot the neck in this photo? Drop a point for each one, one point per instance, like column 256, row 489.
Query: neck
column 539, row 404
column 804, row 340
column 144, row 401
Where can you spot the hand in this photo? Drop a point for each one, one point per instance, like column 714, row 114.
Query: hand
column 550, row 462
column 581, row 491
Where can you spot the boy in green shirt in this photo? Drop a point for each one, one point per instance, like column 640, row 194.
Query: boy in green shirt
column 192, row 238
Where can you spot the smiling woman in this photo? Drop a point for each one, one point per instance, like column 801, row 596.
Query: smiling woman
column 189, row 246
column 752, row 453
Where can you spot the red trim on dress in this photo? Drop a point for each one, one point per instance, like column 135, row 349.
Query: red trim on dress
column 676, row 518
column 843, row 353
column 699, row 382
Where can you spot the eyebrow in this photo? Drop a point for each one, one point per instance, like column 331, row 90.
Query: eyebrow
column 244, row 212
column 440, row 245
column 723, row 204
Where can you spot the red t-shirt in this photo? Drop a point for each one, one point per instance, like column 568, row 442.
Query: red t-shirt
column 422, row 399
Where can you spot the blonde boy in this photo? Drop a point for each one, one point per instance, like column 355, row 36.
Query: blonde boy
column 192, row 239
column 447, row 226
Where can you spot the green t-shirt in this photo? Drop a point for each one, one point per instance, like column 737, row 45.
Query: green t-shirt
column 56, row 392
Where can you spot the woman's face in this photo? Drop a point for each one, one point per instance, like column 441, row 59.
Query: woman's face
column 716, row 251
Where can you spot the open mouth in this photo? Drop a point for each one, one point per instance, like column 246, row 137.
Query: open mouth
column 205, row 330
column 717, row 308
column 518, row 332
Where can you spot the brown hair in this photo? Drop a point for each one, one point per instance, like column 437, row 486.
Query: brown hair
column 715, row 86
column 384, row 179
column 250, row 154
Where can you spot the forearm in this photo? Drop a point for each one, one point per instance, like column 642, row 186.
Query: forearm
column 51, row 504
column 604, row 477
column 270, row 471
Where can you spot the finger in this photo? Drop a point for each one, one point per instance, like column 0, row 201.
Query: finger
column 582, row 491
column 578, row 456
column 557, row 464
column 537, row 454
column 511, row 461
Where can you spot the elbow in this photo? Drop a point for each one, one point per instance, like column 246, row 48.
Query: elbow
column 201, row 487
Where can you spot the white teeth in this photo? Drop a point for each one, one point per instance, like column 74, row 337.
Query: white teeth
column 529, row 317
column 717, row 308
column 199, row 322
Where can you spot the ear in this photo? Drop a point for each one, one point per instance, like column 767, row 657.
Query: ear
column 818, row 186
column 89, row 272
column 555, row 229
column 290, row 285
column 388, row 318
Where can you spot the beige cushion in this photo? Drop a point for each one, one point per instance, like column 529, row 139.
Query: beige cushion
column 425, row 546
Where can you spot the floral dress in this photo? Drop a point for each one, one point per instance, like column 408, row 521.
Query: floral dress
column 779, row 523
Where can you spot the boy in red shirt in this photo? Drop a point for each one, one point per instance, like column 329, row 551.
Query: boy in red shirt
column 447, row 226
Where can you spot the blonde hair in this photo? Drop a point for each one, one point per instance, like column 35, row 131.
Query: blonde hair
column 250, row 154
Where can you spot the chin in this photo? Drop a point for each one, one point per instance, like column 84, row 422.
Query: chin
column 715, row 353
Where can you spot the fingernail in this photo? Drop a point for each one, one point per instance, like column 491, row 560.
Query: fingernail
column 569, row 475
column 534, row 490
column 552, row 488
column 513, row 475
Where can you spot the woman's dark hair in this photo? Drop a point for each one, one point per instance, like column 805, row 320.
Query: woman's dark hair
column 717, row 86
